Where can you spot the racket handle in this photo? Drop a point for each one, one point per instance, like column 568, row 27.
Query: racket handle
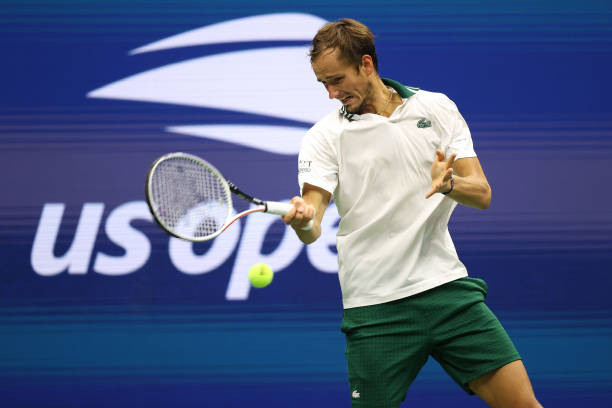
column 275, row 207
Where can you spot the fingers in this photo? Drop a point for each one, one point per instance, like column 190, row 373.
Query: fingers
column 302, row 217
column 431, row 192
column 435, row 188
column 301, row 213
column 290, row 216
column 448, row 174
column 440, row 156
column 451, row 161
column 441, row 172
column 440, row 184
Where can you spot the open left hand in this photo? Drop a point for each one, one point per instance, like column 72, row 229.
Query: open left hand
column 441, row 173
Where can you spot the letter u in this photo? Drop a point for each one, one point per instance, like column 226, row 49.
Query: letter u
column 77, row 258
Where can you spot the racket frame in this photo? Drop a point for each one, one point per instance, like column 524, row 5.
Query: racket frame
column 272, row 207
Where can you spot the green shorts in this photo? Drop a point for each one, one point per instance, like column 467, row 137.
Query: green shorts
column 388, row 344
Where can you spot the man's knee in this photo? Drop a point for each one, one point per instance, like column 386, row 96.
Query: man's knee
column 532, row 403
column 528, row 401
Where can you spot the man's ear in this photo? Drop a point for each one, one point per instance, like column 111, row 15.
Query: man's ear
column 368, row 64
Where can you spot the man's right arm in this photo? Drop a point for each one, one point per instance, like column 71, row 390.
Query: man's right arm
column 310, row 206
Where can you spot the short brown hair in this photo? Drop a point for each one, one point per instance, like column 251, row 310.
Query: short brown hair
column 350, row 37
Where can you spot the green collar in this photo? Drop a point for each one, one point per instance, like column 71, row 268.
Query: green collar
column 403, row 91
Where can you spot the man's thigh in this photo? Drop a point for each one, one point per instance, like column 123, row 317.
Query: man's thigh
column 386, row 346
column 469, row 340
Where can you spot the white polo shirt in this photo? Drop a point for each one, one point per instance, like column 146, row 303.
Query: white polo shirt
column 391, row 241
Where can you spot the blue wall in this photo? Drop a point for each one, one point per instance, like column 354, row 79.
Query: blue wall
column 98, row 307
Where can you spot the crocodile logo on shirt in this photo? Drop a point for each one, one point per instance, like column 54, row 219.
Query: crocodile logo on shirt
column 424, row 123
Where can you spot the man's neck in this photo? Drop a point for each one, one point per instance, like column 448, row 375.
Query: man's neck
column 378, row 99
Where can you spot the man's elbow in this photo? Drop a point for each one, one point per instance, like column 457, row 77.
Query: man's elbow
column 486, row 198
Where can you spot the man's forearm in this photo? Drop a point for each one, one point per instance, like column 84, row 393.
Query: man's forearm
column 471, row 191
column 311, row 235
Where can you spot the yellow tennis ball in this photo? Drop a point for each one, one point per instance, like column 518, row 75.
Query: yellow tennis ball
column 260, row 275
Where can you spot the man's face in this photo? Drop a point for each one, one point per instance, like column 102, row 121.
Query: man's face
column 342, row 80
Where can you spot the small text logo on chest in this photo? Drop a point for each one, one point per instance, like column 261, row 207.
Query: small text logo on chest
column 424, row 123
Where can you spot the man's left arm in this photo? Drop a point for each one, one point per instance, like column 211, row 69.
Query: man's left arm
column 463, row 180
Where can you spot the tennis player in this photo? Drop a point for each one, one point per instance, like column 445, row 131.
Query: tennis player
column 396, row 161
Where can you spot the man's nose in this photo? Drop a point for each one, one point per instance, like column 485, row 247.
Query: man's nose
column 333, row 92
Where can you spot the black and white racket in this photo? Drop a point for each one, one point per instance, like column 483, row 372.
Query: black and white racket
column 190, row 199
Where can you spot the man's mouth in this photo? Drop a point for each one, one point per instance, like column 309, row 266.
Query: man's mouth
column 346, row 99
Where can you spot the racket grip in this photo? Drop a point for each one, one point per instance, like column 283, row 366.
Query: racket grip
column 275, row 207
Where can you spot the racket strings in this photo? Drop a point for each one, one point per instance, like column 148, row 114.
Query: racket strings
column 192, row 199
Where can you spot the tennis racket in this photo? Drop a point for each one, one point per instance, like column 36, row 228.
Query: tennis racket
column 190, row 199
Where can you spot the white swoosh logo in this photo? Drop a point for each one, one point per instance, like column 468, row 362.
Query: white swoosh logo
column 268, row 27
column 276, row 82
column 273, row 139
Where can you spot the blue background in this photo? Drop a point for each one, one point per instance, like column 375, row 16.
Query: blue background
column 532, row 79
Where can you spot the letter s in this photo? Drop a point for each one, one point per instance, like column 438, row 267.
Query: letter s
column 136, row 244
